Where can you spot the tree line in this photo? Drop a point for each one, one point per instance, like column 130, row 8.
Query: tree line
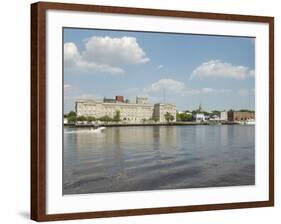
column 73, row 118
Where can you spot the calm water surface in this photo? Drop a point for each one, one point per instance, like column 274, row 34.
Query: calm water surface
column 153, row 158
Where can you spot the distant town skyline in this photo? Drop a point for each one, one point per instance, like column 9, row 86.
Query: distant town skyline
column 183, row 69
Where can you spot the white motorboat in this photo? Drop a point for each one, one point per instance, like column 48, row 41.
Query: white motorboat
column 97, row 130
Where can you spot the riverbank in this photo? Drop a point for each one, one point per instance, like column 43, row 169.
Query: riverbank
column 149, row 124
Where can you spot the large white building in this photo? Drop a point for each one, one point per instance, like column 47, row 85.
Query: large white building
column 129, row 112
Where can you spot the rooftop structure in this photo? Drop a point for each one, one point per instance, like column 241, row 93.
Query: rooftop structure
column 107, row 100
column 120, row 99
column 141, row 100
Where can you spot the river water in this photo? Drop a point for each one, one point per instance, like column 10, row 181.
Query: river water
column 160, row 157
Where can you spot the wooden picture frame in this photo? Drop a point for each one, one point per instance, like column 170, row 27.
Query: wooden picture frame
column 39, row 108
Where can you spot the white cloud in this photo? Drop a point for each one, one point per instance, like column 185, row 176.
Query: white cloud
column 160, row 66
column 178, row 87
column 114, row 51
column 220, row 69
column 167, row 85
column 70, row 51
column 104, row 54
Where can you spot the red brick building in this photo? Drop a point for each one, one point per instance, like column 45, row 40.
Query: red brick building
column 240, row 116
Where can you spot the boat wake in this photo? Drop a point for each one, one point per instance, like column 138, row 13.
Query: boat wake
column 92, row 130
column 97, row 130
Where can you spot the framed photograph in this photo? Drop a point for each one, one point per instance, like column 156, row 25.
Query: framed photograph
column 143, row 111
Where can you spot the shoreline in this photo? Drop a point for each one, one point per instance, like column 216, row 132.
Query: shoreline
column 148, row 124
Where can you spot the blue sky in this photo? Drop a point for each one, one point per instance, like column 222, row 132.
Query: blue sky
column 184, row 69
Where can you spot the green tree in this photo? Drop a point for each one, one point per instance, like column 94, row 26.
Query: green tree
column 81, row 118
column 71, row 117
column 117, row 116
column 155, row 119
column 105, row 118
column 194, row 112
column 246, row 110
column 169, row 117
column 184, row 117
column 206, row 113
column 215, row 112
column 71, row 113
column 91, row 118
column 188, row 117
column 178, row 117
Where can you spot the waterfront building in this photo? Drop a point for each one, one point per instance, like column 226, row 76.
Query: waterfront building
column 223, row 116
column 199, row 116
column 214, row 118
column 129, row 112
column 238, row 116
column 160, row 111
